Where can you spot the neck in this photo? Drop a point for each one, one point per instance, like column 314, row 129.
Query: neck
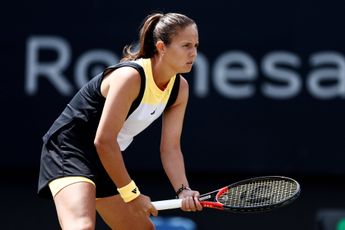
column 161, row 75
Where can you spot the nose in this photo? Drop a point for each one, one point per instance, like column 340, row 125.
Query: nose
column 194, row 52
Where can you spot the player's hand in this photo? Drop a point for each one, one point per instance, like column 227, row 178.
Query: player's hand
column 142, row 206
column 190, row 201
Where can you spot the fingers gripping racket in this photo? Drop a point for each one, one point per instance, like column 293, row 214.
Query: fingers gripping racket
column 251, row 195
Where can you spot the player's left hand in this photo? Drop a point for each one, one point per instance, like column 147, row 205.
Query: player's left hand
column 190, row 201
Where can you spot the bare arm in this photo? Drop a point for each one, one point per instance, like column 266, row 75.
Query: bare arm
column 171, row 154
column 120, row 88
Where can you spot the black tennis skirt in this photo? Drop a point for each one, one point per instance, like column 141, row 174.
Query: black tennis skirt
column 70, row 152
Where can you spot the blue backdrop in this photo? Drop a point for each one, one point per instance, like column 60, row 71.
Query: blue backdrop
column 266, row 94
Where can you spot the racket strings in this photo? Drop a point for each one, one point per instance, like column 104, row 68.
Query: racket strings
column 258, row 193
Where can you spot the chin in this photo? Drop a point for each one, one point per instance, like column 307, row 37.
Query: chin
column 186, row 69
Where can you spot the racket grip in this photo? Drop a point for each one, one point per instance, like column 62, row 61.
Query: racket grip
column 167, row 204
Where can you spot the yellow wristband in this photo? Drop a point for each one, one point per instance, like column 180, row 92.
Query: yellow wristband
column 129, row 192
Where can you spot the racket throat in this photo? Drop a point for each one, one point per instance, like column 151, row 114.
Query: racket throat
column 211, row 204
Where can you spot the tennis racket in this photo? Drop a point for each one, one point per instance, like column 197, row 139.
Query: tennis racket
column 251, row 195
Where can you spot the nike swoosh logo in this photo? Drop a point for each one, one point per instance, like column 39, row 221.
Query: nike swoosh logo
column 153, row 112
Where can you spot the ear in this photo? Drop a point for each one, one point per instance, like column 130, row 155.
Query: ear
column 160, row 46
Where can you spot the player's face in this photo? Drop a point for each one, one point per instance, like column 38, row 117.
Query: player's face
column 182, row 51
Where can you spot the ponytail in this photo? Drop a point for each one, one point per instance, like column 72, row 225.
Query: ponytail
column 147, row 42
column 155, row 27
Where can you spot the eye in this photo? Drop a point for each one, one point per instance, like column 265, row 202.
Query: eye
column 191, row 45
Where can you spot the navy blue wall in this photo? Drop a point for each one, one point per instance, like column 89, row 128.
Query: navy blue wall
column 267, row 92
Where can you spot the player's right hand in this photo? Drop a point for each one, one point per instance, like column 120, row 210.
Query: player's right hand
column 142, row 206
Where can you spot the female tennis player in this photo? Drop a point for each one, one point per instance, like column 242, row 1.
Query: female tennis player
column 82, row 166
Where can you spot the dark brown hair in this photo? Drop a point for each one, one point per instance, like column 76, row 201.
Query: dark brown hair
column 156, row 27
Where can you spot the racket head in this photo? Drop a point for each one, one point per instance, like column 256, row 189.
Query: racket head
column 257, row 194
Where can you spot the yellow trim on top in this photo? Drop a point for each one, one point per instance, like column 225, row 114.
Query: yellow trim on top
column 153, row 94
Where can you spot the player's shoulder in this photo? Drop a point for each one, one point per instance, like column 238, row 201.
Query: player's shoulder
column 125, row 73
column 184, row 86
column 126, row 78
